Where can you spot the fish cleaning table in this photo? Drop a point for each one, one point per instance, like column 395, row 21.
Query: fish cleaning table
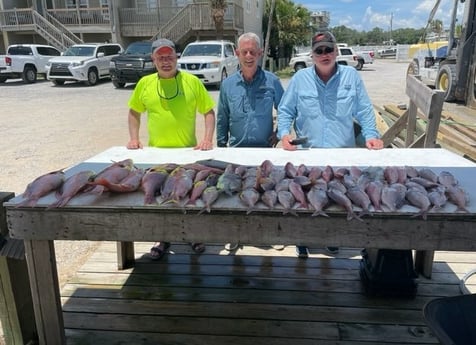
column 124, row 217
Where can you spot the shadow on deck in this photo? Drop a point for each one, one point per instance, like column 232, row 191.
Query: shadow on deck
column 255, row 295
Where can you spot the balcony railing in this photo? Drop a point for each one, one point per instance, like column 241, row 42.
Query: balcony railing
column 82, row 16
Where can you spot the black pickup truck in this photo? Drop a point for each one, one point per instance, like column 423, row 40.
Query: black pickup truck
column 132, row 65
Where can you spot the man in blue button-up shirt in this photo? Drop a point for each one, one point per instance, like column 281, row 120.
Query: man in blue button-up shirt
column 246, row 102
column 247, row 98
column 322, row 102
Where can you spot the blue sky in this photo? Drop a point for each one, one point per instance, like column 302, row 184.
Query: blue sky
column 366, row 15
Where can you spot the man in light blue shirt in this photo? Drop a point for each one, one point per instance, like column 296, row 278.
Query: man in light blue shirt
column 322, row 102
column 247, row 98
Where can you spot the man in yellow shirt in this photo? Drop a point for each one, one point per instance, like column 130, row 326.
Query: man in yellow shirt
column 171, row 99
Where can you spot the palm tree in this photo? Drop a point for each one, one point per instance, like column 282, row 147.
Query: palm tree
column 218, row 8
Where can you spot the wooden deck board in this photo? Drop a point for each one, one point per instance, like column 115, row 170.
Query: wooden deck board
column 255, row 294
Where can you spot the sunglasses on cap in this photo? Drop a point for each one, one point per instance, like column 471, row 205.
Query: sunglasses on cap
column 325, row 50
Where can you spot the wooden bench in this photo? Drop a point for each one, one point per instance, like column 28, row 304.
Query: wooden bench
column 426, row 104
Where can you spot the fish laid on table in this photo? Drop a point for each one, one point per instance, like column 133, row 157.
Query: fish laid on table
column 229, row 182
column 151, row 184
column 341, row 199
column 114, row 173
column 196, row 193
column 298, row 194
column 181, row 184
column 71, row 187
column 286, row 199
column 41, row 186
column 209, row 196
column 419, row 200
column 458, row 197
column 249, row 197
column 130, row 183
column 269, row 198
column 360, row 199
column 318, row 199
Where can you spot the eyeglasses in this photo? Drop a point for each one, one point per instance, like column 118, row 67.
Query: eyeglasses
column 321, row 51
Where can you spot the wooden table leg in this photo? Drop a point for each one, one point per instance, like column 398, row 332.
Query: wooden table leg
column 125, row 255
column 424, row 262
column 43, row 274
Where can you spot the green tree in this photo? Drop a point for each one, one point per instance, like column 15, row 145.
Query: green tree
column 289, row 27
column 218, row 8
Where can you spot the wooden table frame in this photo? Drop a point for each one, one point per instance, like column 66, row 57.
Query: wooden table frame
column 123, row 218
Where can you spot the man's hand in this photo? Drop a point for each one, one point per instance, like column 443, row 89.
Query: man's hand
column 204, row 145
column 285, row 140
column 374, row 144
column 134, row 144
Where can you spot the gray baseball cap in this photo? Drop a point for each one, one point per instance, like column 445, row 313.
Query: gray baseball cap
column 324, row 38
column 162, row 43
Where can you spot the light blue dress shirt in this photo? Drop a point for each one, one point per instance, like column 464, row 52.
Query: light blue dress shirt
column 245, row 110
column 325, row 112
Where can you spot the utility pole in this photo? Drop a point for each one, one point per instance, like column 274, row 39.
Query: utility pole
column 391, row 23
column 268, row 33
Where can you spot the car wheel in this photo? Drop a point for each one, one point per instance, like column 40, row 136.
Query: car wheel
column 29, row 75
column 3, row 79
column 92, row 77
column 413, row 68
column 118, row 84
column 223, row 76
column 446, row 81
column 58, row 82
column 299, row 66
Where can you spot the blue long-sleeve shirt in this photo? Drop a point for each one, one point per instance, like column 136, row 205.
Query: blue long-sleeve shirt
column 245, row 110
column 325, row 112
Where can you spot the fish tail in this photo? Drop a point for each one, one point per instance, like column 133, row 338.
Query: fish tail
column 27, row 203
column 249, row 210
column 319, row 213
column 150, row 199
column 462, row 209
column 351, row 215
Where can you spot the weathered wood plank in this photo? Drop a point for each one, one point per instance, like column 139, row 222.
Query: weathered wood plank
column 44, row 285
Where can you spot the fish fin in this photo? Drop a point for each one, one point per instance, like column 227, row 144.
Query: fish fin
column 319, row 213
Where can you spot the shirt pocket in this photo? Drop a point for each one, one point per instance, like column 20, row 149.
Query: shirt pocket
column 264, row 102
column 308, row 105
column 346, row 101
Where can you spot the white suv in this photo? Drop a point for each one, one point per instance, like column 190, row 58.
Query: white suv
column 210, row 61
column 86, row 62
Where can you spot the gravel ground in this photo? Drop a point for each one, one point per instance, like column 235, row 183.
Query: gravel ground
column 46, row 127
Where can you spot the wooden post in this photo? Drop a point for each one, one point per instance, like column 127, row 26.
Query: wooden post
column 16, row 306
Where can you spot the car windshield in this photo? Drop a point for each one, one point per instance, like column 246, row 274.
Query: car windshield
column 144, row 48
column 202, row 50
column 79, row 51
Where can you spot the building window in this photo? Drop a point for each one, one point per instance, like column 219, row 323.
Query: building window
column 77, row 3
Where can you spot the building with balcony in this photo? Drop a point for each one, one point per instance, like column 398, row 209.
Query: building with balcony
column 62, row 23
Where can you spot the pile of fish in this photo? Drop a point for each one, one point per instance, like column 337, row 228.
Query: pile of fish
column 360, row 191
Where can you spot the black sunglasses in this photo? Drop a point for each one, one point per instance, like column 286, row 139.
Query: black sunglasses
column 326, row 50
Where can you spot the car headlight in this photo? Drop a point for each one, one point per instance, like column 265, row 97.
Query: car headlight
column 149, row 64
column 112, row 64
column 214, row 64
column 76, row 64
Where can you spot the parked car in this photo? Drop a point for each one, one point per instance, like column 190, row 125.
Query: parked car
column 132, row 64
column 346, row 57
column 210, row 61
column 26, row 61
column 86, row 62
column 387, row 52
column 367, row 55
